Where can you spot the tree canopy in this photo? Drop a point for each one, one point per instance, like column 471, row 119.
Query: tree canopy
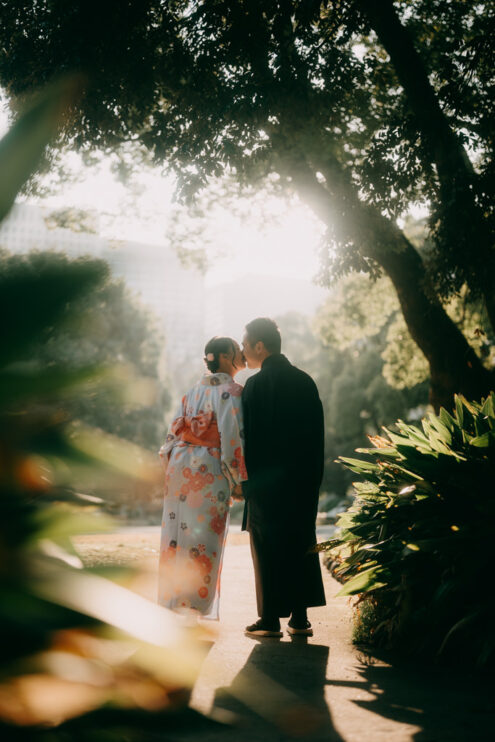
column 361, row 108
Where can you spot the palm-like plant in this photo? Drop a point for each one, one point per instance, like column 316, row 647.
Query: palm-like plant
column 416, row 545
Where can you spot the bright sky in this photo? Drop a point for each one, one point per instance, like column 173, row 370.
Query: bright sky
column 286, row 246
column 284, row 243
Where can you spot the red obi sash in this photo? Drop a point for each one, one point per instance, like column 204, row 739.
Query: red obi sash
column 201, row 430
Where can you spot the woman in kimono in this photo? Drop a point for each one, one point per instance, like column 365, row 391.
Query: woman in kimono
column 204, row 459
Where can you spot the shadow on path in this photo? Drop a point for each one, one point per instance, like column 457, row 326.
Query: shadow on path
column 447, row 705
column 279, row 693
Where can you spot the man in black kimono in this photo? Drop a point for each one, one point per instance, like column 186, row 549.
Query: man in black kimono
column 284, row 441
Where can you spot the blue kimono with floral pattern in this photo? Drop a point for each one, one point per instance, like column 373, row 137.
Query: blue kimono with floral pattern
column 205, row 453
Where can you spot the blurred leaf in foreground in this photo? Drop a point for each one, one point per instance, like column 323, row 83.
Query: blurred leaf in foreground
column 72, row 641
column 23, row 146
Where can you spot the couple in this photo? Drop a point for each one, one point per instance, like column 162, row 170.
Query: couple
column 263, row 443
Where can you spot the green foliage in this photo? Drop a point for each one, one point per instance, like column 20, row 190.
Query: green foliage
column 57, row 620
column 356, row 398
column 416, row 544
column 106, row 328
column 356, row 309
column 359, row 396
column 214, row 87
column 77, row 220
column 75, row 656
column 404, row 366
column 111, row 346
column 359, row 309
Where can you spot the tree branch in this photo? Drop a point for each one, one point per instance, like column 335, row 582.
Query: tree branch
column 455, row 172
column 454, row 366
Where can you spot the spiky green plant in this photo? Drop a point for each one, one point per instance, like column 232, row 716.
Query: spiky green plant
column 417, row 544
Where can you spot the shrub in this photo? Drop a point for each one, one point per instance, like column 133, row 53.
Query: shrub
column 416, row 545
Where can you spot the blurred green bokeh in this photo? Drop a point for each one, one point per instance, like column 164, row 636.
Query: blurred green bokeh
column 72, row 641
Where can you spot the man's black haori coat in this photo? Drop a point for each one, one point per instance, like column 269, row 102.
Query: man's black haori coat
column 284, row 445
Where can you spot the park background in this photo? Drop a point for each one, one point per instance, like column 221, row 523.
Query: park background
column 180, row 275
column 258, row 145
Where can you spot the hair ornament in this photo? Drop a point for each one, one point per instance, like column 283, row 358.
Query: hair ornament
column 210, row 356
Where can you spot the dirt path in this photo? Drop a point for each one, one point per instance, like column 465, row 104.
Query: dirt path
column 320, row 689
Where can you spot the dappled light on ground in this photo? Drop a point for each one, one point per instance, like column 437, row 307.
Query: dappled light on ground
column 318, row 689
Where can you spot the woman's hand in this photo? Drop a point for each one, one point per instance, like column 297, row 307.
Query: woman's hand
column 164, row 462
column 237, row 493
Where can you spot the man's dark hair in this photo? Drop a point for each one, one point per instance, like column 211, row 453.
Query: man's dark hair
column 266, row 330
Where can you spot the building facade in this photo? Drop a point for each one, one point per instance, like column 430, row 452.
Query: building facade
column 174, row 294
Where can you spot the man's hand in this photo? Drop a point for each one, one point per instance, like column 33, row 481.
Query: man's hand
column 237, row 493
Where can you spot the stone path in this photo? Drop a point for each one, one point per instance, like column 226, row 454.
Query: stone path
column 323, row 688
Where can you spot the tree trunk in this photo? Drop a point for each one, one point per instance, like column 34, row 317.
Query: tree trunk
column 455, row 172
column 454, row 366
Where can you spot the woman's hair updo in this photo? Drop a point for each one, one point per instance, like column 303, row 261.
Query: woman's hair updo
column 214, row 347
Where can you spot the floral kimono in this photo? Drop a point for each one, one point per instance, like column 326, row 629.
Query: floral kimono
column 205, row 453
